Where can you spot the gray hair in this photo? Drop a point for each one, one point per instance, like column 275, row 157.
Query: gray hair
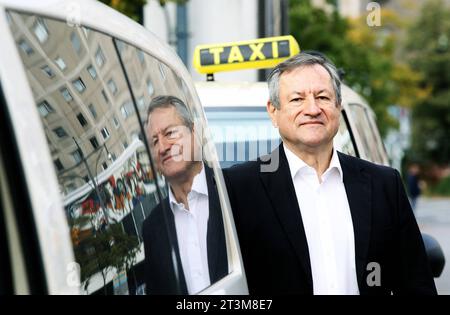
column 165, row 101
column 303, row 59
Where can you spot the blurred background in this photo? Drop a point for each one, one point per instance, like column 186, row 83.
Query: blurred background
column 396, row 54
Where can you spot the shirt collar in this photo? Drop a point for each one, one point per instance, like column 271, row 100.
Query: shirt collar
column 296, row 163
column 199, row 186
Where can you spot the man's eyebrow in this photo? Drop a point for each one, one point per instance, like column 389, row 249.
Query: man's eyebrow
column 165, row 129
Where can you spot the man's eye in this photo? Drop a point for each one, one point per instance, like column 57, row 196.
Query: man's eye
column 155, row 141
column 171, row 134
column 324, row 98
column 297, row 99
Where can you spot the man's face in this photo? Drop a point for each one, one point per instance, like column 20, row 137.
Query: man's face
column 171, row 142
column 308, row 117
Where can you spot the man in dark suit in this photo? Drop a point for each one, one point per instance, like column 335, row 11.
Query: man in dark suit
column 311, row 220
column 184, row 239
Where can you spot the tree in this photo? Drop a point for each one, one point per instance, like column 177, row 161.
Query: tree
column 428, row 51
column 131, row 8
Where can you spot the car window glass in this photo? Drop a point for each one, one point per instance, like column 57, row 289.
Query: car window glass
column 343, row 141
column 366, row 133
column 243, row 139
column 107, row 182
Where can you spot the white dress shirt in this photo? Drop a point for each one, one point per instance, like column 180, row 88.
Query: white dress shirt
column 192, row 227
column 328, row 225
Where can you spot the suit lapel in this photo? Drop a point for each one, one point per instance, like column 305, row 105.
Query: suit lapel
column 358, row 188
column 280, row 189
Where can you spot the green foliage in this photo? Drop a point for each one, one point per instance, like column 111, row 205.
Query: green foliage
column 429, row 52
column 104, row 250
column 442, row 188
column 131, row 8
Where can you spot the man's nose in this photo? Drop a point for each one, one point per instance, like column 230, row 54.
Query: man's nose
column 163, row 145
column 312, row 107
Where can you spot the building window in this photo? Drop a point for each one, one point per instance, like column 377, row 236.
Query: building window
column 25, row 47
column 140, row 102
column 60, row 63
column 92, row 72
column 66, row 94
column 94, row 142
column 105, row 96
column 140, row 55
column 77, row 156
column 93, row 111
column 40, row 30
column 116, row 122
column 86, row 31
column 58, row 165
column 44, row 108
column 125, row 145
column 48, row 71
column 75, row 42
column 99, row 57
column 112, row 86
column 82, row 120
column 104, row 165
column 127, row 109
column 150, row 88
column 105, row 133
column 79, row 85
column 162, row 70
column 60, row 132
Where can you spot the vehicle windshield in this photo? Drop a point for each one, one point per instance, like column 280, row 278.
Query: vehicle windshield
column 241, row 133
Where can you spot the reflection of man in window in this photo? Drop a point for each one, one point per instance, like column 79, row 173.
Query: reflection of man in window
column 184, row 237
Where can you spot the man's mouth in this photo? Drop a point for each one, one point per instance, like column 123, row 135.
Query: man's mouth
column 311, row 123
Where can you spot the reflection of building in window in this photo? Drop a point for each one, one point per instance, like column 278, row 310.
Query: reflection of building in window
column 79, row 85
column 92, row 71
column 150, row 88
column 25, row 47
column 60, row 63
column 127, row 109
column 140, row 102
column 140, row 55
column 94, row 142
column 40, row 30
column 45, row 108
column 75, row 42
column 99, row 57
column 116, row 122
column 105, row 97
column 105, row 133
column 82, row 120
column 58, row 165
column 112, row 86
column 93, row 111
column 48, row 71
column 60, row 132
column 76, row 155
column 66, row 94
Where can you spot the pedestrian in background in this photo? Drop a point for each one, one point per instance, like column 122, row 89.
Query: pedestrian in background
column 412, row 183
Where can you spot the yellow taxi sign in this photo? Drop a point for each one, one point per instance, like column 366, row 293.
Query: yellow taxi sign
column 253, row 54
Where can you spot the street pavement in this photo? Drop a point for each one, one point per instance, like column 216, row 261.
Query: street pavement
column 433, row 217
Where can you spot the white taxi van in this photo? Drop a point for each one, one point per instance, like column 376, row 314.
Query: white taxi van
column 77, row 178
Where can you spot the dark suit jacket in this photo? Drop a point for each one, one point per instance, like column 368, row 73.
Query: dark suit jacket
column 161, row 245
column 273, row 241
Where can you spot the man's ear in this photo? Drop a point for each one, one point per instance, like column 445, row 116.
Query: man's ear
column 272, row 111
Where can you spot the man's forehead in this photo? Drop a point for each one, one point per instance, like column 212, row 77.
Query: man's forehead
column 306, row 77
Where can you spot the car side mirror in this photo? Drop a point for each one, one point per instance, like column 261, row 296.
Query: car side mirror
column 435, row 254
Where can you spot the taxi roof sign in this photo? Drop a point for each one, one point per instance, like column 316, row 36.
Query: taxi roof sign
column 253, row 54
